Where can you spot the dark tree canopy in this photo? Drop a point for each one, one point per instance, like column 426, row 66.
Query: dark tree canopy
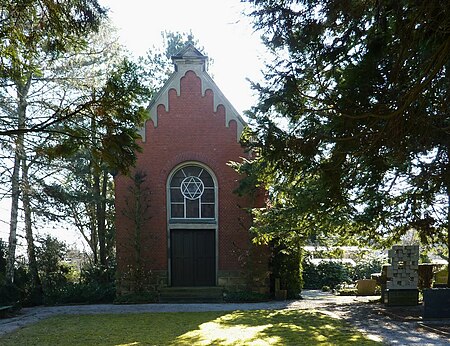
column 30, row 26
column 353, row 123
column 66, row 91
column 107, row 122
column 36, row 32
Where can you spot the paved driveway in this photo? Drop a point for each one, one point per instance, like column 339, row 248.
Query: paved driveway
column 371, row 320
column 356, row 310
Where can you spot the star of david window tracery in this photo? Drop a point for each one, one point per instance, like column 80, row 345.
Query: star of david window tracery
column 192, row 187
column 192, row 194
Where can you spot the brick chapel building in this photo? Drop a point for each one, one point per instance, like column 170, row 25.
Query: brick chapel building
column 193, row 228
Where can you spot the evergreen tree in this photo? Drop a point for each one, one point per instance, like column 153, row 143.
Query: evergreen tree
column 34, row 34
column 62, row 95
column 353, row 125
column 96, row 144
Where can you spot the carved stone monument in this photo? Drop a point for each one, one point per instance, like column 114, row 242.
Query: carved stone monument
column 402, row 276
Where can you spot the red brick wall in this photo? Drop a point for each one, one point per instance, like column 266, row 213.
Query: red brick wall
column 189, row 131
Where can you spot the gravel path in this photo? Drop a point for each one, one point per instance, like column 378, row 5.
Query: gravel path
column 355, row 310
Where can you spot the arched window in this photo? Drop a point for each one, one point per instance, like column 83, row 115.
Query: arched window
column 192, row 194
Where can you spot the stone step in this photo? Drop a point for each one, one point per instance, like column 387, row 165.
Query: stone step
column 191, row 295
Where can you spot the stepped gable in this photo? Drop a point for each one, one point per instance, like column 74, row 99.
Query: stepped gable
column 191, row 60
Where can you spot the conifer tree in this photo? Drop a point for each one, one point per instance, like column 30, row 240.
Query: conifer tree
column 353, row 123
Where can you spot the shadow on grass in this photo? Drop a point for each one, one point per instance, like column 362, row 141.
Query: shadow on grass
column 109, row 329
column 263, row 327
column 279, row 327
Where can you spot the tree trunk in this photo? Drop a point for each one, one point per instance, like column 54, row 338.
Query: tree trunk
column 32, row 263
column 448, row 234
column 447, row 183
column 101, row 215
column 11, row 257
column 93, row 239
column 95, row 188
column 22, row 92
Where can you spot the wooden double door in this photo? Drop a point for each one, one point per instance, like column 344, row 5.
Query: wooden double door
column 193, row 257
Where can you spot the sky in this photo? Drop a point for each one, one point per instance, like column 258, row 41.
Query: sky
column 218, row 25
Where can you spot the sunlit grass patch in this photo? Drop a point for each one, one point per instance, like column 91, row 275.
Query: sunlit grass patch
column 262, row 327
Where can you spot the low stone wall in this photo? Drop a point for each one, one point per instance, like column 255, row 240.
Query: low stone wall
column 240, row 281
column 231, row 280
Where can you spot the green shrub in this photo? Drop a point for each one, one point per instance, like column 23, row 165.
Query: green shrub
column 9, row 294
column 287, row 266
column 97, row 273
column 96, row 285
column 325, row 274
column 61, row 282
column 245, row 297
column 348, row 292
column 137, row 298
column 26, row 295
column 52, row 269
column 366, row 267
column 86, row 293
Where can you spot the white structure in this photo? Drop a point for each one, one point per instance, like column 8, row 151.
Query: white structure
column 403, row 271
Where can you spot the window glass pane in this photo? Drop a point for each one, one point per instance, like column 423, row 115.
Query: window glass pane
column 192, row 208
column 191, row 171
column 175, row 195
column 177, row 210
column 208, row 195
column 208, row 211
column 207, row 179
column 177, row 179
column 182, row 207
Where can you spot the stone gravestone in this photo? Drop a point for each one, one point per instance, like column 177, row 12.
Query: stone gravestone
column 402, row 276
column 436, row 303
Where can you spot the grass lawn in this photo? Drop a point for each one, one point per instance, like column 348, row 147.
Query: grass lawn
column 262, row 327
